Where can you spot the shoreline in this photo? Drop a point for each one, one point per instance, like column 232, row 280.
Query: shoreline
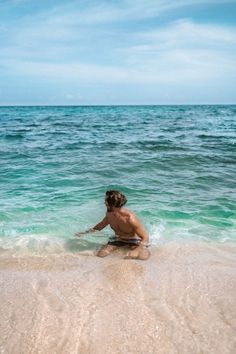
column 180, row 300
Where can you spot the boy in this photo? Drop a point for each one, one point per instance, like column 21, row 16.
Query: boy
column 128, row 229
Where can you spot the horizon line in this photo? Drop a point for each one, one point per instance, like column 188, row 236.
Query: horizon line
column 117, row 105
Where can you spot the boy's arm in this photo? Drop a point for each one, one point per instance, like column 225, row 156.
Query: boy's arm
column 97, row 227
column 101, row 225
column 139, row 230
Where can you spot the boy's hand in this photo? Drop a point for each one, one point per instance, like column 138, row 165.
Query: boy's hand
column 80, row 234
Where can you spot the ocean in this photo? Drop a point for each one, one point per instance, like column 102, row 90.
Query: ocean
column 176, row 166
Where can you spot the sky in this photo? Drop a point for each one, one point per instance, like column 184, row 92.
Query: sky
column 88, row 52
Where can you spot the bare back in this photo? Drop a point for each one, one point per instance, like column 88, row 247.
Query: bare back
column 124, row 223
column 121, row 222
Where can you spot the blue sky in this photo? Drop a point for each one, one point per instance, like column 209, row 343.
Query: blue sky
column 117, row 52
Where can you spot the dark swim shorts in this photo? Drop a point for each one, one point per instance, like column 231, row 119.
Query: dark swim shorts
column 116, row 242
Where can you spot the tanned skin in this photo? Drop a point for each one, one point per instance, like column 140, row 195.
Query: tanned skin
column 126, row 226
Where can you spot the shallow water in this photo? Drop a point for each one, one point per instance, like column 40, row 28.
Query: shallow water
column 176, row 164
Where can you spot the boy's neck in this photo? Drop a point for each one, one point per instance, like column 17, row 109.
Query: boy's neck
column 113, row 209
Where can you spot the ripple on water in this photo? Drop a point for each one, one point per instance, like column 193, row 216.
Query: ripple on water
column 175, row 163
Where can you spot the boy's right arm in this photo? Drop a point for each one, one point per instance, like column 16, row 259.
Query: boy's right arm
column 97, row 227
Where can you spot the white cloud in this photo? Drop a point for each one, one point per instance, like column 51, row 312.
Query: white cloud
column 185, row 31
column 144, row 66
column 73, row 97
column 185, row 48
column 77, row 42
column 97, row 12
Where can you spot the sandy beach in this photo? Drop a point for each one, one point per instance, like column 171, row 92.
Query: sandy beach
column 182, row 300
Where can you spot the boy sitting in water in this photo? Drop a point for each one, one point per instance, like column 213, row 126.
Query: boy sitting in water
column 128, row 229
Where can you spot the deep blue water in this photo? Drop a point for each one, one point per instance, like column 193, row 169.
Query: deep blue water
column 176, row 164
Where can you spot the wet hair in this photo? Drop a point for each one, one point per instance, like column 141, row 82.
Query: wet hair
column 115, row 198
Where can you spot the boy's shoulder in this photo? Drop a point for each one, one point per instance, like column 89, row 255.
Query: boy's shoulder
column 129, row 213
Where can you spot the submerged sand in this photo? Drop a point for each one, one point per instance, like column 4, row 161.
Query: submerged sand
column 182, row 300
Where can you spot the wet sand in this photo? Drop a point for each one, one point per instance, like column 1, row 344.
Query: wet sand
column 182, row 300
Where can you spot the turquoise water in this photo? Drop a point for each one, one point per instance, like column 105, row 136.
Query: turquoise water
column 176, row 164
